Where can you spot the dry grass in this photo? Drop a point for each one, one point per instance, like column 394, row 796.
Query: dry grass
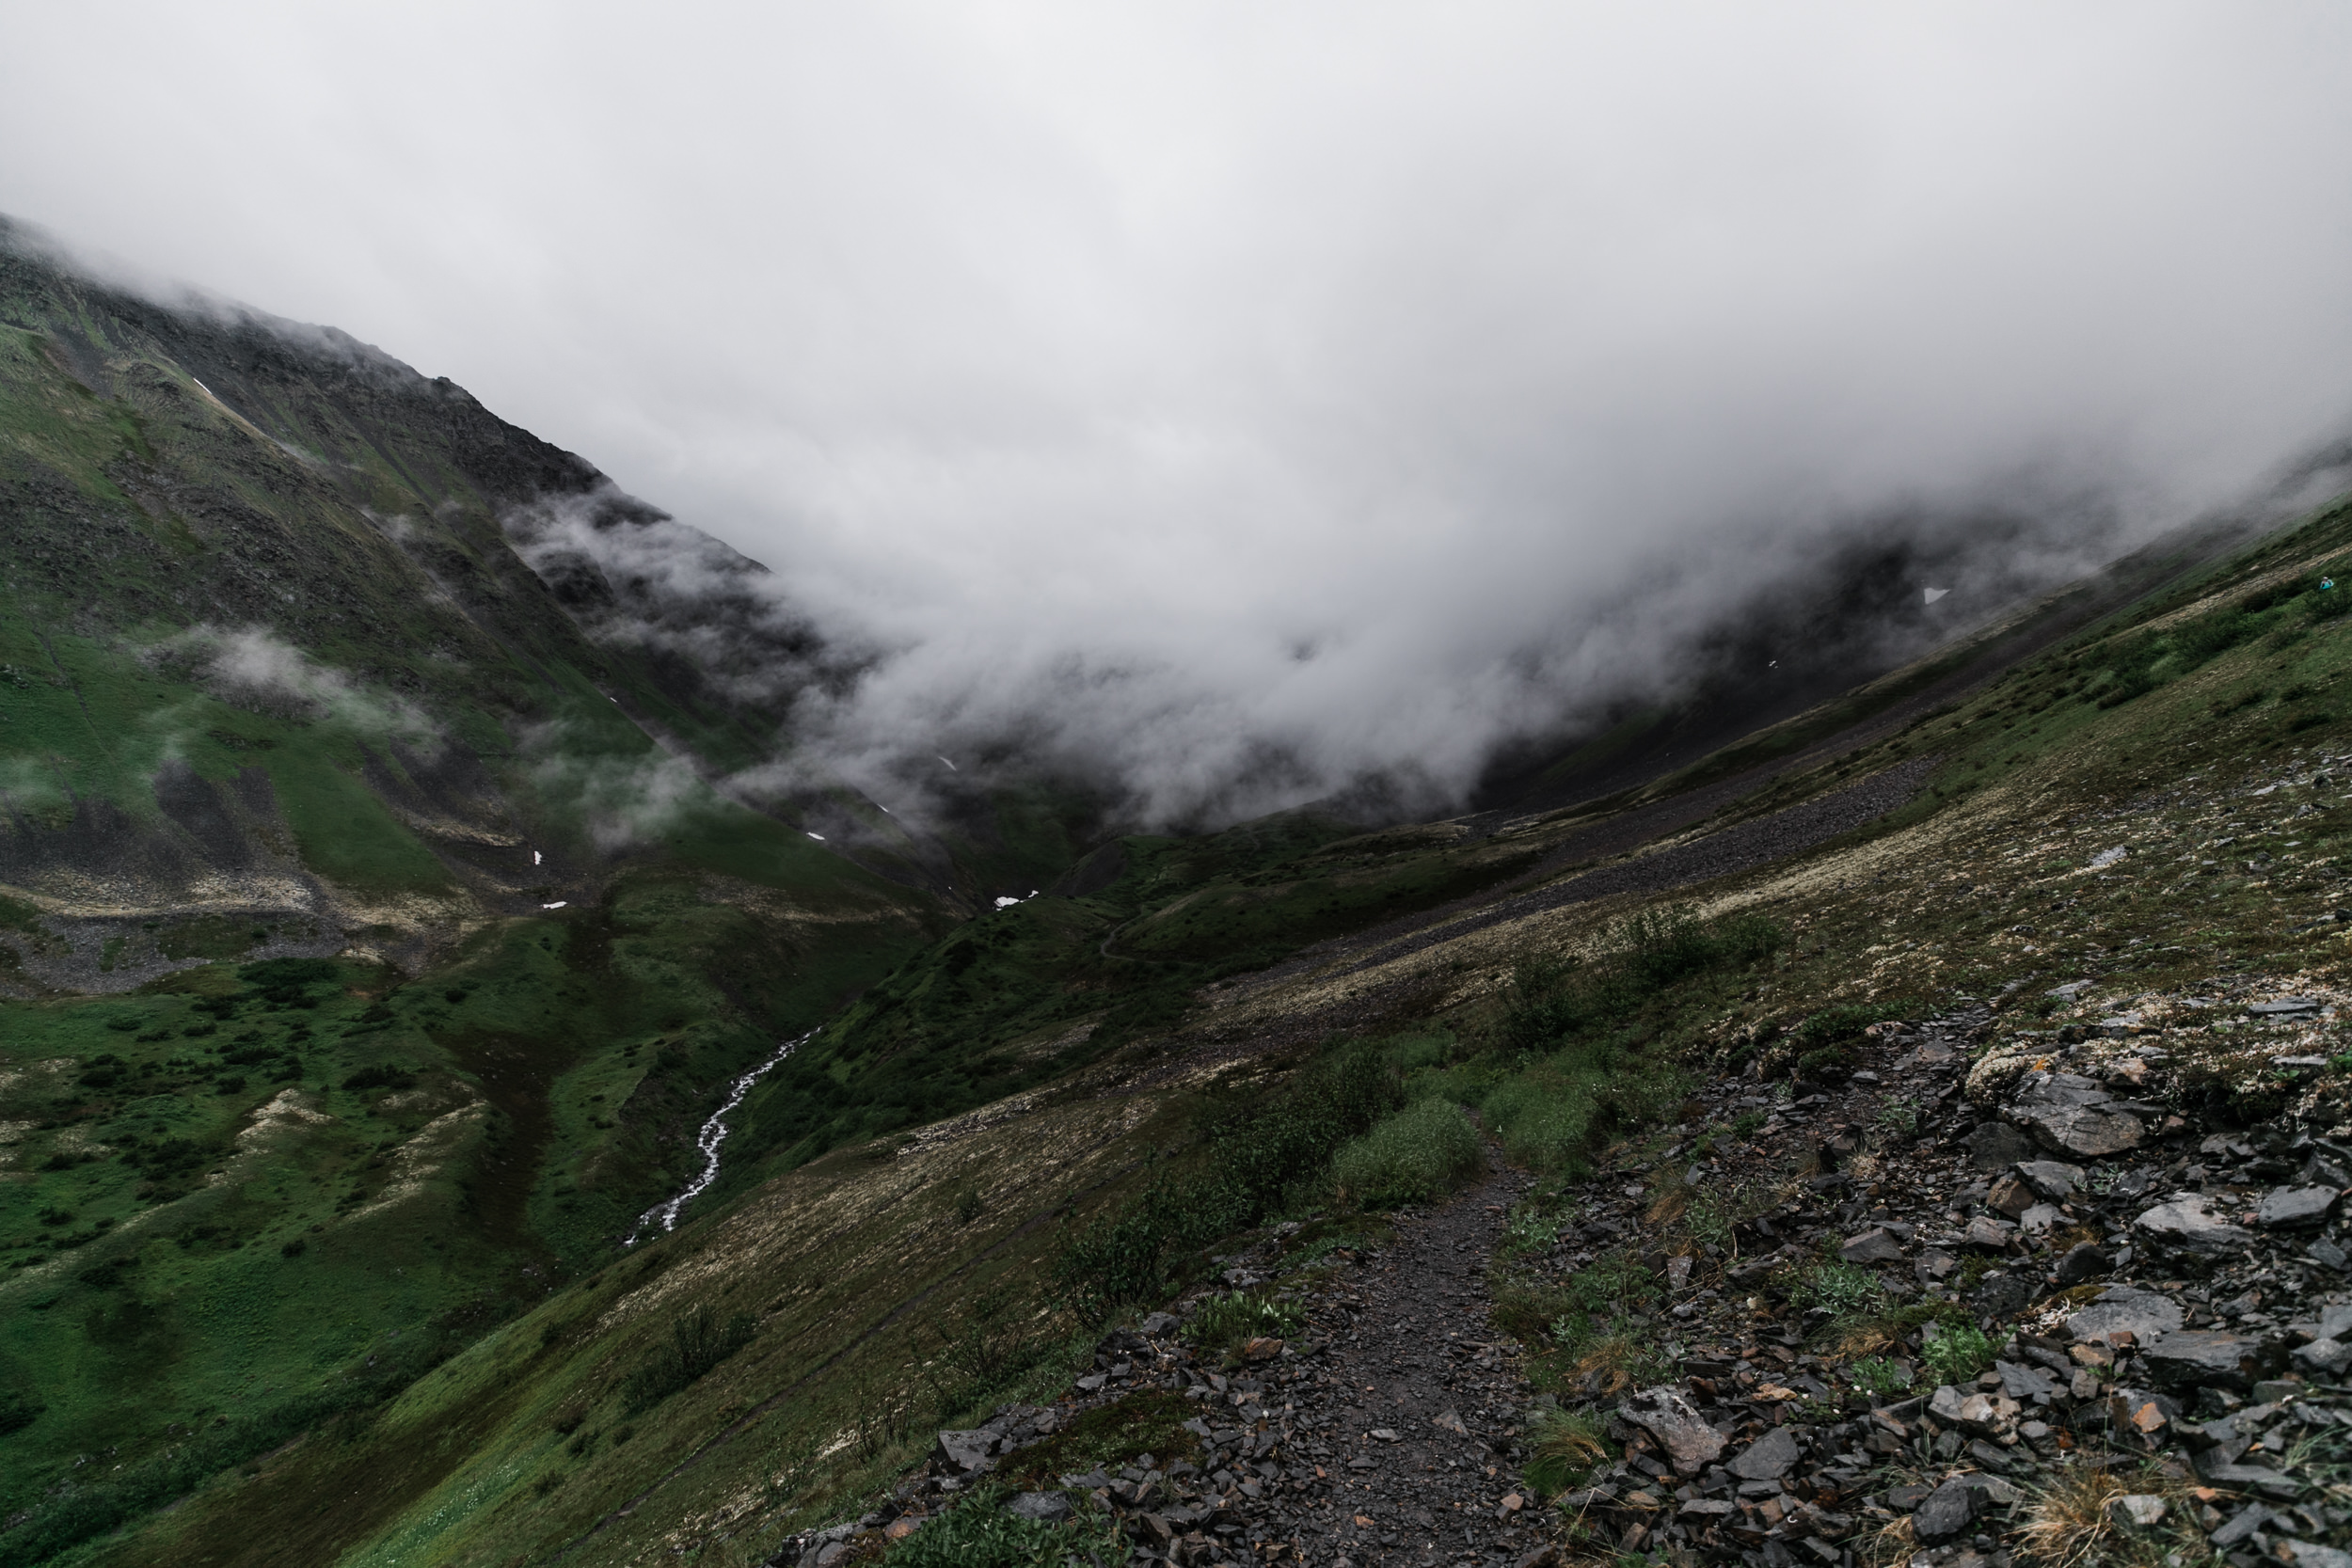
column 1613, row 1363
column 1671, row 1202
column 2068, row 1523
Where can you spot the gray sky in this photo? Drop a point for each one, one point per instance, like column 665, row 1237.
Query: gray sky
column 1186, row 379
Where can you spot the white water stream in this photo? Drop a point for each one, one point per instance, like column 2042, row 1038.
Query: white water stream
column 714, row 1132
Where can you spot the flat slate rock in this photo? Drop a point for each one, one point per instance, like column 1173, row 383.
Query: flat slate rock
column 1768, row 1458
column 2191, row 1222
column 2196, row 1357
column 2294, row 1208
column 2145, row 1314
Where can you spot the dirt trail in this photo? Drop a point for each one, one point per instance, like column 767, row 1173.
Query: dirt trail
column 1413, row 1398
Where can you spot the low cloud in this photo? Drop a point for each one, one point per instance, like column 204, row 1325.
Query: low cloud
column 255, row 668
column 1234, row 405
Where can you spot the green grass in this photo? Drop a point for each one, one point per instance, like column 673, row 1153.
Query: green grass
column 978, row 1533
column 1223, row 1324
column 1415, row 1156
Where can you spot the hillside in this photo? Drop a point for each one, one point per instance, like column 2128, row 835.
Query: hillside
column 382, row 928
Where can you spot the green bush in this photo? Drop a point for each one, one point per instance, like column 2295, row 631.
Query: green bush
column 698, row 1341
column 1879, row 1377
column 1551, row 1000
column 1413, row 1156
column 1255, row 1151
column 1957, row 1353
column 1841, row 1289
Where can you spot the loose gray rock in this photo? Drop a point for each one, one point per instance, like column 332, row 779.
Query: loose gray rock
column 2120, row 1308
column 1668, row 1417
column 2052, row 1180
column 2310, row 1554
column 2084, row 1261
column 2189, row 1222
column 2328, row 1357
column 2021, row 1383
column 1046, row 1508
column 1988, row 1234
column 2295, row 1208
column 2252, row 1517
column 964, row 1453
column 1160, row 1325
column 1949, row 1510
column 1875, row 1245
column 2193, row 1358
column 2286, row 1007
column 2139, row 1511
column 1996, row 1144
column 1768, row 1458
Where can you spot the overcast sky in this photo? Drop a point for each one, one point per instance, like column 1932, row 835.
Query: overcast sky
column 1196, row 376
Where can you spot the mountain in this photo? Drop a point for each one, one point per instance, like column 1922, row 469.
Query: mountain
column 458, row 1106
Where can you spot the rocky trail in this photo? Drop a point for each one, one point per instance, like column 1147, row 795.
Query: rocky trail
column 2036, row 1281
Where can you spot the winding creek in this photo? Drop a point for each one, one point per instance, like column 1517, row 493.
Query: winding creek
column 714, row 1134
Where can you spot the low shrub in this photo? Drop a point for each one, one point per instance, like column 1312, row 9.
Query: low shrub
column 979, row 1533
column 1413, row 1156
column 1222, row 1323
column 1956, row 1353
column 699, row 1340
column 1255, row 1152
column 1112, row 1434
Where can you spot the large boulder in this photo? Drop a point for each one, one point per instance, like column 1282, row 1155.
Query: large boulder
column 2071, row 1115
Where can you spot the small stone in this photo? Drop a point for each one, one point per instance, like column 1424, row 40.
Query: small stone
column 2139, row 1510
column 2188, row 1222
column 1542, row 1557
column 1667, row 1416
column 2310, row 1554
column 1046, row 1508
column 1988, row 1234
column 2328, row 1357
column 1768, row 1458
column 2010, row 1196
column 1261, row 1349
column 2190, row 1359
column 1874, row 1245
column 2084, row 1261
column 2277, row 1391
column 2286, row 1007
column 899, row 1528
column 1707, row 1509
column 2143, row 1314
column 2022, row 1383
column 1996, row 1144
column 1160, row 1325
column 2249, row 1519
column 1949, row 1510
column 1385, row 1434
column 2052, row 1181
column 1450, row 1420
column 964, row 1453
column 2294, row 1208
